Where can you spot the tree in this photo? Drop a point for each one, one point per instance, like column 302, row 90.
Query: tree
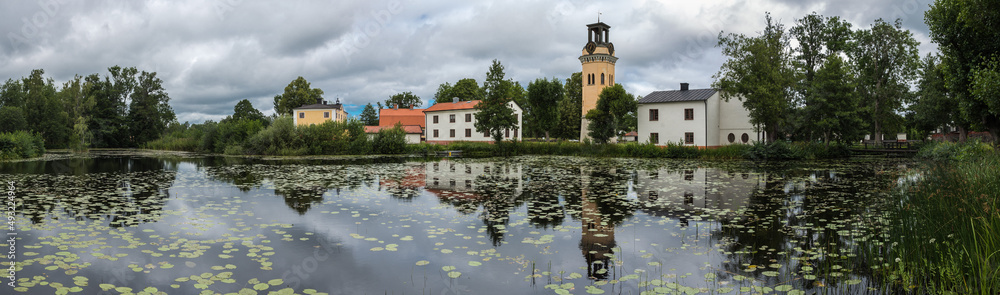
column 886, row 60
column 758, row 73
column 833, row 103
column 369, row 116
column 493, row 115
column 934, row 107
column 570, row 108
column 543, row 98
column 12, row 119
column 149, row 110
column 818, row 38
column 966, row 34
column 403, row 100
column 44, row 112
column 608, row 118
column 297, row 93
column 465, row 90
column 245, row 110
column 78, row 105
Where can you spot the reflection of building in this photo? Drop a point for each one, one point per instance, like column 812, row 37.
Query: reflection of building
column 459, row 179
column 406, row 185
column 671, row 192
column 318, row 113
column 597, row 238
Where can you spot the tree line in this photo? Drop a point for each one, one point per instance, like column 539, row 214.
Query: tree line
column 838, row 83
column 124, row 108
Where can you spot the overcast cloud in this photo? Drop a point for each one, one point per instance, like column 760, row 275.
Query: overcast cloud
column 211, row 54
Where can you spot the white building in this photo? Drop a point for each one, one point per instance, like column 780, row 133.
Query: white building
column 455, row 121
column 697, row 117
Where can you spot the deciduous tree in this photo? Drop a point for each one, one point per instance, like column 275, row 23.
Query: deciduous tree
column 543, row 98
column 886, row 60
column 298, row 93
column 608, row 118
column 493, row 115
column 759, row 73
column 403, row 100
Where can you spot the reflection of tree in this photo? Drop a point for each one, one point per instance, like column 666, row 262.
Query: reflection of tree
column 125, row 191
column 500, row 196
column 803, row 218
column 403, row 184
column 243, row 177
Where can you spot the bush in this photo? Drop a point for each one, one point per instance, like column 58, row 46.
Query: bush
column 390, row 141
column 234, row 132
column 279, row 138
column 21, row 145
column 953, row 151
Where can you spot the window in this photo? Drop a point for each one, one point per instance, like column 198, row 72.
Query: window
column 468, row 132
column 654, row 115
column 435, row 133
column 516, row 118
column 452, row 132
column 515, row 132
column 688, row 137
column 435, row 120
column 745, row 138
column 602, row 78
column 507, row 133
column 689, row 175
column 326, row 114
column 688, row 114
column 468, row 118
column 654, row 138
column 451, row 118
column 732, row 138
column 486, row 134
column 302, row 115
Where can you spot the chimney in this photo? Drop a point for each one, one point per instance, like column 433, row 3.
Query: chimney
column 319, row 100
column 684, row 86
column 395, row 106
column 454, row 99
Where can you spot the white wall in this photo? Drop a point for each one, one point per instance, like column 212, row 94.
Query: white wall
column 735, row 119
column 444, row 125
column 671, row 125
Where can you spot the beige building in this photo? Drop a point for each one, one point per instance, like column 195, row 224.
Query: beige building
column 319, row 113
column 455, row 121
column 598, row 59
column 694, row 117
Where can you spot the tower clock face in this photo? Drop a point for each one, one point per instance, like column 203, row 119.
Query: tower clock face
column 591, row 46
column 611, row 48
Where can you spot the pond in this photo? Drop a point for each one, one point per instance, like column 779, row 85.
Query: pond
column 130, row 222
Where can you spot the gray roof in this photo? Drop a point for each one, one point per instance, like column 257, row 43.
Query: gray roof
column 678, row 95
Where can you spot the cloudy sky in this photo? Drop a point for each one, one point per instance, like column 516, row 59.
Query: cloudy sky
column 211, row 54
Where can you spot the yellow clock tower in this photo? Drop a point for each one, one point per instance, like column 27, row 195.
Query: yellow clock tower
column 598, row 61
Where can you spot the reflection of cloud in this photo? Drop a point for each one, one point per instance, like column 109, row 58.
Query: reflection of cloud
column 680, row 193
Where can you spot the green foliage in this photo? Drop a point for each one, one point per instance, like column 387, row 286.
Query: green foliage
column 244, row 110
column 494, row 115
column 570, row 108
column 831, row 107
column 390, row 141
column 231, row 133
column 298, row 93
column 818, row 39
column 934, row 107
column 465, row 90
column 886, row 59
column 21, row 145
column 944, row 151
column 943, row 226
column 759, row 73
column 966, row 34
column 149, row 110
column 403, row 100
column 543, row 98
column 986, row 86
column 12, row 119
column 369, row 116
column 608, row 118
column 280, row 138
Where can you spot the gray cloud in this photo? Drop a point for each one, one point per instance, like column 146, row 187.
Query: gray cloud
column 213, row 54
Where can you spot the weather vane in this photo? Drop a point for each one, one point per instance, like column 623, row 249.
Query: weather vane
column 598, row 16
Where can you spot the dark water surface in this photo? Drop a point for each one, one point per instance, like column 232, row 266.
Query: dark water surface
column 120, row 222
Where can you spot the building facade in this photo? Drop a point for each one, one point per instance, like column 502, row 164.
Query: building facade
column 318, row 113
column 455, row 121
column 697, row 117
column 598, row 59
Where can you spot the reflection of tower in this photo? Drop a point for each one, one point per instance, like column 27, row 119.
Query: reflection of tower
column 598, row 61
column 597, row 237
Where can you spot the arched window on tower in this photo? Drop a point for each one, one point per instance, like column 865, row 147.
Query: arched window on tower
column 602, row 78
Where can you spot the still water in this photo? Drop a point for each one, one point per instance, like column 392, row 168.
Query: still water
column 126, row 222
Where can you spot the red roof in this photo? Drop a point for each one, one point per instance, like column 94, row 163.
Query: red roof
column 449, row 106
column 633, row 133
column 409, row 129
column 389, row 117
